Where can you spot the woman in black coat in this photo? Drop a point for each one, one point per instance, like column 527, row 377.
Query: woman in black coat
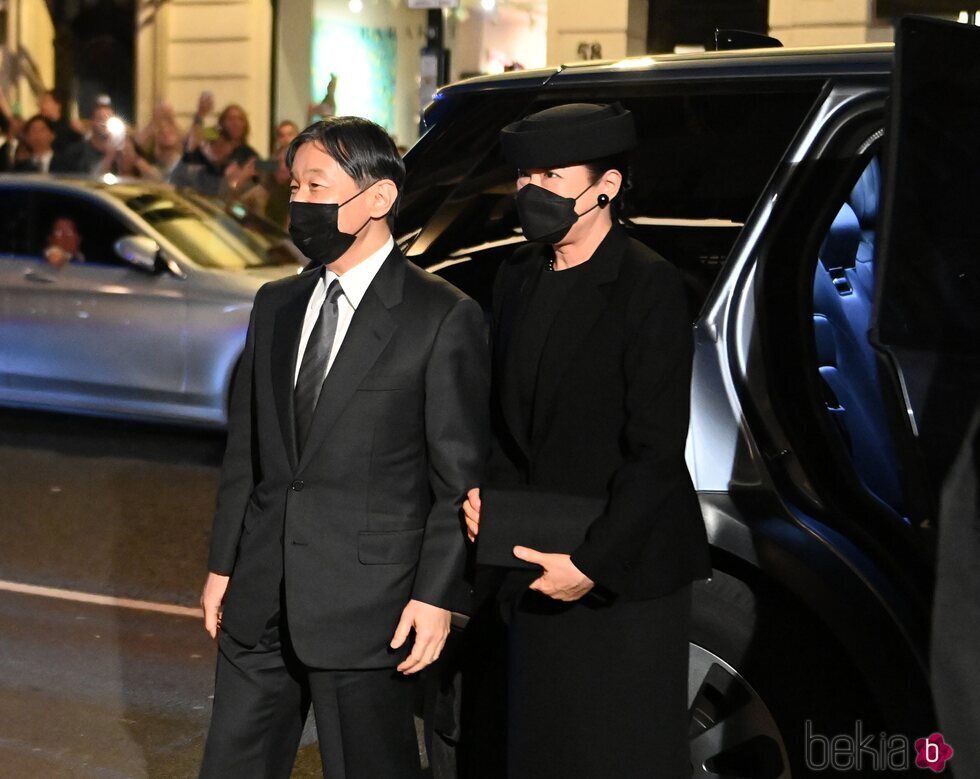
column 592, row 358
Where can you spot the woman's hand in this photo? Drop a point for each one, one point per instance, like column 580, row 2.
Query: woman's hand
column 561, row 580
column 471, row 511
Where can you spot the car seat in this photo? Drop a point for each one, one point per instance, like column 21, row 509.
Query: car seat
column 843, row 287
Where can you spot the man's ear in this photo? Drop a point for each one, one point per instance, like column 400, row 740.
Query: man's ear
column 383, row 200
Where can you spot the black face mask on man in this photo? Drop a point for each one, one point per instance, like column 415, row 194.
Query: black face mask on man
column 547, row 217
column 313, row 228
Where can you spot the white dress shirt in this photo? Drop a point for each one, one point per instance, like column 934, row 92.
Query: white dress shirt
column 354, row 284
column 43, row 161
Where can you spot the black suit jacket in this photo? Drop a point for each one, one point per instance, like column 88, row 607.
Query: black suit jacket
column 7, row 161
column 611, row 411
column 368, row 517
column 61, row 162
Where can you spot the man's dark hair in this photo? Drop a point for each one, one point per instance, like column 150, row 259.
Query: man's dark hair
column 38, row 118
column 363, row 149
column 59, row 217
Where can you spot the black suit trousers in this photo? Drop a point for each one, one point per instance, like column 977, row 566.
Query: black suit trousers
column 365, row 718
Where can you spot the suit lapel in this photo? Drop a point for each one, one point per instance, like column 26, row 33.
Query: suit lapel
column 371, row 328
column 578, row 314
column 286, row 333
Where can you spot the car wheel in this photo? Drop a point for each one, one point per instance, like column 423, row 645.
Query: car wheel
column 760, row 670
column 732, row 731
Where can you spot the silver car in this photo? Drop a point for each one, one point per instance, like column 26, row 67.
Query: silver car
column 147, row 318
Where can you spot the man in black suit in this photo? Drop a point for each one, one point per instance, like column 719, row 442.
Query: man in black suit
column 39, row 136
column 337, row 531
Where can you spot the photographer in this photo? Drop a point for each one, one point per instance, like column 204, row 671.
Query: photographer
column 96, row 154
column 220, row 160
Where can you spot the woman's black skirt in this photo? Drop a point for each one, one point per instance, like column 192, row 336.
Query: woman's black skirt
column 598, row 691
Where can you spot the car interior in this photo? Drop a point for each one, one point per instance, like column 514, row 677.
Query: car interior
column 98, row 228
column 26, row 220
column 15, row 223
column 843, row 291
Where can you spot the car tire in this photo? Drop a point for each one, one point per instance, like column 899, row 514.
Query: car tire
column 761, row 669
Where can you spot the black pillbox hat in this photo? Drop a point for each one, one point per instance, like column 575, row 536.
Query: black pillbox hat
column 568, row 135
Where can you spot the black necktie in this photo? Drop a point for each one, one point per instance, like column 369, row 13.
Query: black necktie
column 313, row 368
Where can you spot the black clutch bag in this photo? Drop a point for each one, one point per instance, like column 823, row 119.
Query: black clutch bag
column 551, row 522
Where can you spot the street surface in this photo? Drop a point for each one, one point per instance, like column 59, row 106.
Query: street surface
column 101, row 508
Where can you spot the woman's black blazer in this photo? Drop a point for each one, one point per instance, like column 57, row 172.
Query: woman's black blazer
column 610, row 411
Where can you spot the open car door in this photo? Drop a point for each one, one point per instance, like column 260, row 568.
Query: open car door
column 926, row 315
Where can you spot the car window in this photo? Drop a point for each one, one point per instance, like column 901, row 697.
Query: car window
column 205, row 234
column 97, row 227
column 15, row 222
column 706, row 153
column 260, row 235
column 463, row 133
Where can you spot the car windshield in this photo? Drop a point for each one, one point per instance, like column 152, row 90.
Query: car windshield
column 209, row 233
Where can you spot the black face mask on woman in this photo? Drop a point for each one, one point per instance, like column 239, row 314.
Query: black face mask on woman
column 313, row 228
column 547, row 217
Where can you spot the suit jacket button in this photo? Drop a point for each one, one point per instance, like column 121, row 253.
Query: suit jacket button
column 296, row 486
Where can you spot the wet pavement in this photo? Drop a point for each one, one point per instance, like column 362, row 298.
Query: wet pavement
column 105, row 508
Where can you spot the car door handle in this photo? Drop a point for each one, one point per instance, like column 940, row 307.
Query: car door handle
column 38, row 278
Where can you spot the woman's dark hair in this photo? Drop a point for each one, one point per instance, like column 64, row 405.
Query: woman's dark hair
column 363, row 149
column 619, row 162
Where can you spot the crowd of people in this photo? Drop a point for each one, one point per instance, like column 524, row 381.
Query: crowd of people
column 214, row 159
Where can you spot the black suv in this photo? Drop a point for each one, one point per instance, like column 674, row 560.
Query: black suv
column 837, row 336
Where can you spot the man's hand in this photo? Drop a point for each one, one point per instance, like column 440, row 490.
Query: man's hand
column 56, row 256
column 471, row 512
column 211, row 598
column 561, row 580
column 431, row 630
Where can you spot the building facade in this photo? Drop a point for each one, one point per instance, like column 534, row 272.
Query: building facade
column 276, row 58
